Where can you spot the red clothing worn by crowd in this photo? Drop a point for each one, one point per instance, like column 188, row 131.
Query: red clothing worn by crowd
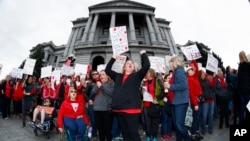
column 18, row 92
column 72, row 109
column 48, row 93
column 195, row 89
column 66, row 90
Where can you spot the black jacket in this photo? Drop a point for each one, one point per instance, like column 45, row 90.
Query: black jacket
column 244, row 78
column 127, row 95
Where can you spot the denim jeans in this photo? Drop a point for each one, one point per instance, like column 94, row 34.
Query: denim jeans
column 166, row 123
column 178, row 114
column 92, row 120
column 116, row 131
column 207, row 116
column 196, row 119
column 76, row 128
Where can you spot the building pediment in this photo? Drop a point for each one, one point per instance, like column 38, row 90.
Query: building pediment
column 121, row 3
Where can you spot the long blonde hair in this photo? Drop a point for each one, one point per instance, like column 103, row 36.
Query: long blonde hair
column 243, row 57
column 177, row 62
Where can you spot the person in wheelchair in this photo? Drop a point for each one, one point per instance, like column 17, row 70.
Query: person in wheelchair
column 43, row 113
column 72, row 116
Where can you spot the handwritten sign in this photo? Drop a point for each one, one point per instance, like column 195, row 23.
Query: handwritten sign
column 157, row 63
column 29, row 66
column 17, row 73
column 212, row 63
column 55, row 75
column 46, row 71
column 119, row 40
column 119, row 63
column 191, row 52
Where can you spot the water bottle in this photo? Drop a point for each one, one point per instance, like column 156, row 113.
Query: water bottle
column 90, row 132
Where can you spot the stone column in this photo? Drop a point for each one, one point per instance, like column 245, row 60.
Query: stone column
column 156, row 29
column 93, row 28
column 86, row 30
column 112, row 24
column 151, row 30
column 132, row 30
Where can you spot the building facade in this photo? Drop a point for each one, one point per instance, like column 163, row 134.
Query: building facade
column 90, row 42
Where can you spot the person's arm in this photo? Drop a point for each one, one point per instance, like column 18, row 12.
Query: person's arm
column 108, row 88
column 93, row 92
column 146, row 64
column 108, row 68
column 180, row 81
column 60, row 117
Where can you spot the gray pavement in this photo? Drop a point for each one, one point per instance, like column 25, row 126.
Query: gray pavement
column 11, row 130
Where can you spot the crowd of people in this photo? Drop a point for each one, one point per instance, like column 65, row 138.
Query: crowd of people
column 115, row 106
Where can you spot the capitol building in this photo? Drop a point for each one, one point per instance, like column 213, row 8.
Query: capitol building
column 90, row 41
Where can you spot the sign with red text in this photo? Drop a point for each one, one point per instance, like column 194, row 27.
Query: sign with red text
column 191, row 52
column 157, row 63
column 212, row 63
column 119, row 39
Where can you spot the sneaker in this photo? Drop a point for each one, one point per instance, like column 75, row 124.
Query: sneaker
column 6, row 118
column 164, row 137
column 40, row 126
column 32, row 124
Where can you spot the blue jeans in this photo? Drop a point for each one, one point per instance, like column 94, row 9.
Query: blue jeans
column 76, row 128
column 166, row 123
column 92, row 120
column 244, row 98
column 115, row 128
column 207, row 116
column 178, row 114
column 196, row 119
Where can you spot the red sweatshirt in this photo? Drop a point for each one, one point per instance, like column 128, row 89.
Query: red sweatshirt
column 72, row 109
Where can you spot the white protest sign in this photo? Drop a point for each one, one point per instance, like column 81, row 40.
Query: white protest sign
column 17, row 73
column 29, row 66
column 212, row 63
column 119, row 40
column 46, row 71
column 101, row 67
column 66, row 70
column 55, row 75
column 199, row 66
column 147, row 96
column 191, row 52
column 167, row 59
column 157, row 63
column 80, row 69
column 1, row 67
column 119, row 63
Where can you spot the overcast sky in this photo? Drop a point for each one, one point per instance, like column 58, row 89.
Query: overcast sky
column 222, row 25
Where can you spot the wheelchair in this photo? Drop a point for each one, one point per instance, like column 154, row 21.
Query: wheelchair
column 65, row 136
column 48, row 126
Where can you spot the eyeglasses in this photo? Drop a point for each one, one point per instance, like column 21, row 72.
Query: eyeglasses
column 73, row 91
column 95, row 74
column 47, row 101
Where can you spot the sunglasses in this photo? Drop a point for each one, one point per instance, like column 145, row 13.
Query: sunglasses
column 95, row 74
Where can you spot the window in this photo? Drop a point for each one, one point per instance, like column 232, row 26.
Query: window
column 105, row 31
column 137, row 31
column 55, row 59
column 48, row 57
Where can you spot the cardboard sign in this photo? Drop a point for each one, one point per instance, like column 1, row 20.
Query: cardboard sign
column 67, row 70
column 17, row 73
column 81, row 69
column 29, row 66
column 212, row 63
column 157, row 63
column 191, row 52
column 119, row 40
column 48, row 110
column 46, row 71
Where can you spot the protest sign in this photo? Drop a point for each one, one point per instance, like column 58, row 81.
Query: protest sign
column 80, row 69
column 191, row 52
column 66, row 70
column 157, row 63
column 101, row 67
column 46, row 71
column 29, row 66
column 17, row 73
column 212, row 63
column 118, row 36
column 119, row 63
